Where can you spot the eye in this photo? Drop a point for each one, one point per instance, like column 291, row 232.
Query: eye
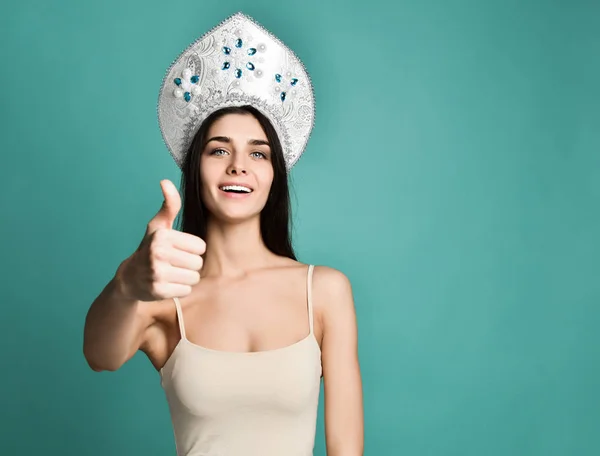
column 261, row 154
column 214, row 152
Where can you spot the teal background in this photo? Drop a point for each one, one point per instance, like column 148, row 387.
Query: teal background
column 453, row 174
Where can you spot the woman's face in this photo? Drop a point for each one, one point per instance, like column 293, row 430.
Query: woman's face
column 236, row 153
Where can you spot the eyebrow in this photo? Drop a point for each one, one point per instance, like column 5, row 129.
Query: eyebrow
column 251, row 142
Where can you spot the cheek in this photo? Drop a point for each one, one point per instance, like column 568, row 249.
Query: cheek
column 209, row 172
column 208, row 179
column 265, row 177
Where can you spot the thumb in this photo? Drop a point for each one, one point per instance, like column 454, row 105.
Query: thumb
column 165, row 217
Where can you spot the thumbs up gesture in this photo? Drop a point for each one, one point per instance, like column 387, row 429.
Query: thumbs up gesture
column 167, row 262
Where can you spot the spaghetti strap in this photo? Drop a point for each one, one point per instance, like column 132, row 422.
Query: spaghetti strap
column 180, row 317
column 309, row 289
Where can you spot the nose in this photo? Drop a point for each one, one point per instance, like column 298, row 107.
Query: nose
column 237, row 167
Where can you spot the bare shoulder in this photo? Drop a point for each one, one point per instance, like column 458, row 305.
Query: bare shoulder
column 332, row 293
column 331, row 283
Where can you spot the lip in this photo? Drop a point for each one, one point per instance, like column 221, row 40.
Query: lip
column 235, row 195
column 222, row 184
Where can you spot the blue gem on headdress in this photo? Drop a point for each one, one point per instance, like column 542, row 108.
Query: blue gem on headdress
column 178, row 81
column 195, row 79
column 187, row 96
column 292, row 81
column 237, row 61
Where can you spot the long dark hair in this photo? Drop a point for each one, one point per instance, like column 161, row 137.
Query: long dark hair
column 275, row 223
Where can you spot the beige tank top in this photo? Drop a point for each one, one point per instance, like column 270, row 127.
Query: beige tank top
column 244, row 403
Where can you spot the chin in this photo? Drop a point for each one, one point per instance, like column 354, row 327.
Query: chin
column 234, row 215
column 236, row 218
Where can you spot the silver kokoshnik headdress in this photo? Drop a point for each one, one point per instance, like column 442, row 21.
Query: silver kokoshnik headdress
column 237, row 63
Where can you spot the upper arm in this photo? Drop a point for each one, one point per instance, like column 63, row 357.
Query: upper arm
column 153, row 334
column 341, row 372
column 150, row 335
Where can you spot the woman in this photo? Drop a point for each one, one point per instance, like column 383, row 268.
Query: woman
column 239, row 331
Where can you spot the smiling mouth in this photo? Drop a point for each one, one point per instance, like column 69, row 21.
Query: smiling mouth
column 236, row 189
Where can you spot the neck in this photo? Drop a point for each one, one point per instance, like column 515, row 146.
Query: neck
column 234, row 249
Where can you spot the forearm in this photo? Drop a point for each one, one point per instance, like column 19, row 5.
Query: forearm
column 111, row 327
column 346, row 448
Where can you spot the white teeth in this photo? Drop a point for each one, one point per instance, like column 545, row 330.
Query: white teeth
column 236, row 187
